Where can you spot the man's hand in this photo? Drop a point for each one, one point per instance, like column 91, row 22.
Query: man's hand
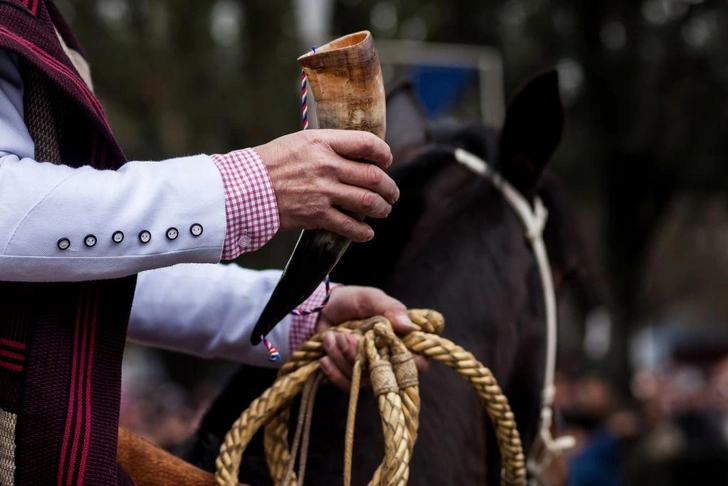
column 350, row 302
column 315, row 171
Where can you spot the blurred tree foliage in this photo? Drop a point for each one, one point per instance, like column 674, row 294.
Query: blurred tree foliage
column 644, row 83
column 645, row 86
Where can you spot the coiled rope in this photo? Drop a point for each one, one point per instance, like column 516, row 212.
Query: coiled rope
column 393, row 375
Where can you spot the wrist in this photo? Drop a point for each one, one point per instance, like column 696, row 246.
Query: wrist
column 251, row 209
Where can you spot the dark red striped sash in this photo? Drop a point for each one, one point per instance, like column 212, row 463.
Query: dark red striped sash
column 61, row 344
column 12, row 354
column 72, row 467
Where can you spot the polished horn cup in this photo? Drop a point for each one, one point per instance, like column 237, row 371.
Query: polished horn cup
column 345, row 79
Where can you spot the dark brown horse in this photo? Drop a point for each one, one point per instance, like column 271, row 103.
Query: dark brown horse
column 453, row 244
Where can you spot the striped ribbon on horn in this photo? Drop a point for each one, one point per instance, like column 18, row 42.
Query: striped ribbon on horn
column 304, row 95
column 273, row 354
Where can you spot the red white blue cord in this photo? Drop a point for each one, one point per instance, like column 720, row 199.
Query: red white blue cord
column 318, row 308
column 304, row 95
column 304, row 112
column 273, row 354
column 304, row 98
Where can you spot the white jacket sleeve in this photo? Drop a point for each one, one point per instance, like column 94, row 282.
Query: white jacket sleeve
column 206, row 310
column 63, row 224
column 59, row 223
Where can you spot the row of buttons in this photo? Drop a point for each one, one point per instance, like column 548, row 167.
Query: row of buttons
column 118, row 236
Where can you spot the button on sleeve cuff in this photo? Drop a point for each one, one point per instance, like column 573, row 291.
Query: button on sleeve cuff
column 251, row 208
column 65, row 224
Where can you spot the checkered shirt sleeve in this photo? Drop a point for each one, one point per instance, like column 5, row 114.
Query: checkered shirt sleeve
column 251, row 208
column 303, row 327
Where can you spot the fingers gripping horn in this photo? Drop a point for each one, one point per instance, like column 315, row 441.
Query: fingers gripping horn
column 345, row 78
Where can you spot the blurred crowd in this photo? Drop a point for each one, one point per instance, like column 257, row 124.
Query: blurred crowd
column 669, row 428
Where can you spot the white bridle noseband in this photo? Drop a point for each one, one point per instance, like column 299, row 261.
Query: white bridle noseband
column 534, row 222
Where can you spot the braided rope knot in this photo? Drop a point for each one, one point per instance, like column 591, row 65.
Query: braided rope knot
column 388, row 359
column 536, row 223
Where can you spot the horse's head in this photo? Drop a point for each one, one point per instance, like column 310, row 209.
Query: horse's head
column 437, row 190
column 453, row 242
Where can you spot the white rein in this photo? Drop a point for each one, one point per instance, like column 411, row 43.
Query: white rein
column 534, row 222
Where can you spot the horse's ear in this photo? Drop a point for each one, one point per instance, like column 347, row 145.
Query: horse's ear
column 532, row 130
column 407, row 127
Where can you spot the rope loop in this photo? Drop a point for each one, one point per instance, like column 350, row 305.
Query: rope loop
column 388, row 360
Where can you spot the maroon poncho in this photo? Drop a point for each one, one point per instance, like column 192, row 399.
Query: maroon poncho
column 61, row 344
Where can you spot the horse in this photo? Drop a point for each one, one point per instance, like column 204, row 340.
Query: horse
column 452, row 243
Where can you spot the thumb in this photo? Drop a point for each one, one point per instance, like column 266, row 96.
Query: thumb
column 401, row 323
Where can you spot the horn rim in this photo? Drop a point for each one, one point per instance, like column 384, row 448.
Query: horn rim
column 354, row 40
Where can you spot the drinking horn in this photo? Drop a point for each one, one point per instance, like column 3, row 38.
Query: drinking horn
column 345, row 78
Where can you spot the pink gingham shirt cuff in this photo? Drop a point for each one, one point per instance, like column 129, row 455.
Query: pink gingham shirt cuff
column 251, row 209
column 303, row 327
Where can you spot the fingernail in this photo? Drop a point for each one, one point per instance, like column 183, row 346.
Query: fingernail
column 341, row 341
column 404, row 321
column 325, row 364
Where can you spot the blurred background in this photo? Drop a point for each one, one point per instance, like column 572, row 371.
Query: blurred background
column 643, row 379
